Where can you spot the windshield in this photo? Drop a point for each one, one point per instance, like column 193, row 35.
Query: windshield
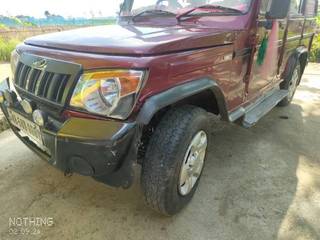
column 180, row 6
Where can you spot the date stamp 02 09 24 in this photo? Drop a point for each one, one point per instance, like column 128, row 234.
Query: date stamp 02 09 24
column 29, row 225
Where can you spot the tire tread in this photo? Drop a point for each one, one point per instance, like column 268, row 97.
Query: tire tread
column 160, row 161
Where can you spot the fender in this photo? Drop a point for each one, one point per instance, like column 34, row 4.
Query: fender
column 301, row 51
column 292, row 60
column 178, row 93
column 298, row 53
column 304, row 61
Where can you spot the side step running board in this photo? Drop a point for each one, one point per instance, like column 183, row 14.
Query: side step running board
column 256, row 111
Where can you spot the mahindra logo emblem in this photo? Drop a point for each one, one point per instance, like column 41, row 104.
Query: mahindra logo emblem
column 40, row 64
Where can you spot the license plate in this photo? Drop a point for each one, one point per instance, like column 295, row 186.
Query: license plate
column 30, row 129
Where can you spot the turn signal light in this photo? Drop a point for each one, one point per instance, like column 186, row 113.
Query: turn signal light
column 27, row 106
column 1, row 97
column 39, row 118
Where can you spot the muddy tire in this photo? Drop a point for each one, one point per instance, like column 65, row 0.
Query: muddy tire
column 176, row 151
column 291, row 83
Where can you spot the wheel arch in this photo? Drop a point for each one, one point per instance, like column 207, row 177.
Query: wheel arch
column 194, row 92
column 300, row 55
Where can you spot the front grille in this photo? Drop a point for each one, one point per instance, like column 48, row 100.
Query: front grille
column 52, row 84
column 41, row 83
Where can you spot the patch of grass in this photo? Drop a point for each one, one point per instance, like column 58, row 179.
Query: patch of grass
column 6, row 47
column 3, row 27
column 315, row 50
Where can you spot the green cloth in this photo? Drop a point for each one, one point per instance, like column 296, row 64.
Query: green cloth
column 262, row 50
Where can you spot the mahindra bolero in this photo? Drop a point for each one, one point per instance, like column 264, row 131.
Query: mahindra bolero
column 99, row 100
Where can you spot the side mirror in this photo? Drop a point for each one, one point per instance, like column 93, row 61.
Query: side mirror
column 278, row 9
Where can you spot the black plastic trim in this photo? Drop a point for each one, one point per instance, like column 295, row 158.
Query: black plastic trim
column 55, row 67
column 108, row 159
column 178, row 93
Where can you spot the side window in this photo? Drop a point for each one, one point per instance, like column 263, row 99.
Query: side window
column 295, row 7
column 309, row 8
column 265, row 5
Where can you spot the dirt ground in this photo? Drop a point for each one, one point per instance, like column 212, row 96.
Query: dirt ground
column 4, row 73
column 4, row 70
column 261, row 183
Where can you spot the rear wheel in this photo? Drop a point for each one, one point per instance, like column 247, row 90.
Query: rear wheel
column 175, row 159
column 291, row 84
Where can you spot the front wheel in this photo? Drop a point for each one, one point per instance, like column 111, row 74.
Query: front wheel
column 175, row 159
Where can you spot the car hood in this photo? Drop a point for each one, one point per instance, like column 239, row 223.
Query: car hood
column 134, row 40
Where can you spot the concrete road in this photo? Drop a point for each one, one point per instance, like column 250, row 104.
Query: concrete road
column 261, row 183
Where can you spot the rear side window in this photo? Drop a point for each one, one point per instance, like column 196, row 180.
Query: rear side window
column 295, row 7
column 265, row 6
column 309, row 8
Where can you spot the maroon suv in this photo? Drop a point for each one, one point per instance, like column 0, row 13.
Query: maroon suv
column 97, row 100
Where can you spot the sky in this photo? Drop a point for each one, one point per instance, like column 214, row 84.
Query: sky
column 66, row 8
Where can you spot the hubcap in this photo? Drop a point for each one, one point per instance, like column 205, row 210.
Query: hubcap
column 193, row 163
column 293, row 84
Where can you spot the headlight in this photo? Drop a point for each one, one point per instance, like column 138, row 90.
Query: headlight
column 109, row 93
column 14, row 61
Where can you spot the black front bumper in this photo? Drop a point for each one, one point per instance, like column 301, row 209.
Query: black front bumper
column 102, row 149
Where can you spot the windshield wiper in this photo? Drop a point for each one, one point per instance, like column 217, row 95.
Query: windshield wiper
column 151, row 12
column 208, row 7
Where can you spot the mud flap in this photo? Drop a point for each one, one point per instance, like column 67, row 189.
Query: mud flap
column 124, row 176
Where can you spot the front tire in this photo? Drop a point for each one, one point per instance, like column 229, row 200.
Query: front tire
column 175, row 159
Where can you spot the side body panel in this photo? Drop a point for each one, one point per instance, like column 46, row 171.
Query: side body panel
column 293, row 38
column 295, row 32
column 301, row 29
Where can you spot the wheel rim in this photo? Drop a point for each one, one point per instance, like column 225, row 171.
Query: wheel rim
column 293, row 84
column 193, row 163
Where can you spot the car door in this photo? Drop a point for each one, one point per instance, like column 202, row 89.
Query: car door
column 264, row 72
